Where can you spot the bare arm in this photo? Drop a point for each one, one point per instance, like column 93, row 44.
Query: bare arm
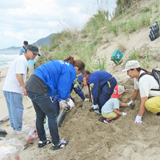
column 21, row 82
column 117, row 112
column 142, row 106
column 123, row 104
column 135, row 93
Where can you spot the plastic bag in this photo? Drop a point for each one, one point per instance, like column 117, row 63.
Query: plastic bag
column 32, row 134
column 10, row 149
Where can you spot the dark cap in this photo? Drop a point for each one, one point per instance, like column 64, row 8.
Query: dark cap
column 25, row 42
column 33, row 49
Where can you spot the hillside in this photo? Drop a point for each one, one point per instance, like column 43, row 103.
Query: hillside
column 89, row 138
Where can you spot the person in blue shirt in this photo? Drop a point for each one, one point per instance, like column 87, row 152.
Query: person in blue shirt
column 23, row 48
column 102, row 85
column 56, row 99
column 52, row 78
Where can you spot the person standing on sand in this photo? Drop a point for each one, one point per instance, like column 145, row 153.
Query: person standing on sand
column 52, row 78
column 102, row 84
column 147, row 86
column 14, row 85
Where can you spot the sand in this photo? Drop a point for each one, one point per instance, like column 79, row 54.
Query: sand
column 89, row 138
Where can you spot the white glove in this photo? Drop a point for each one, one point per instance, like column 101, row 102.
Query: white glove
column 70, row 103
column 130, row 102
column 86, row 100
column 95, row 106
column 138, row 119
column 123, row 114
column 63, row 104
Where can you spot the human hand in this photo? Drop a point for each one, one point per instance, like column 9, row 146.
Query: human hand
column 86, row 100
column 63, row 104
column 24, row 91
column 123, row 114
column 95, row 106
column 138, row 119
column 128, row 104
column 70, row 103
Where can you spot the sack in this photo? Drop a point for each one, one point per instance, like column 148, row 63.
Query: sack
column 10, row 149
column 154, row 33
column 156, row 74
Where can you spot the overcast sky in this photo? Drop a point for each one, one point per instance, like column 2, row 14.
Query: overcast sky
column 34, row 19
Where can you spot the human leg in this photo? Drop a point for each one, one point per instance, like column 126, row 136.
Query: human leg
column 153, row 104
column 15, row 108
column 44, row 106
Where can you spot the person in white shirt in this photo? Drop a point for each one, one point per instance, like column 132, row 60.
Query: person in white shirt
column 14, row 86
column 144, row 86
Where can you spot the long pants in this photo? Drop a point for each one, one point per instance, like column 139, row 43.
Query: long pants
column 153, row 104
column 44, row 106
column 15, row 109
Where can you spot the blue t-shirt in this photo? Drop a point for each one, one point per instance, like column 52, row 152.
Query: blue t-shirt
column 58, row 76
column 110, row 105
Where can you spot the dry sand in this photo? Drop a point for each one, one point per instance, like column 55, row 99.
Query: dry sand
column 91, row 139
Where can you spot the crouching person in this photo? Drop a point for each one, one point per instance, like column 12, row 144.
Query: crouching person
column 110, row 110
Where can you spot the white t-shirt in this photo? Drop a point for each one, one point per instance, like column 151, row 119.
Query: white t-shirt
column 18, row 66
column 145, row 84
column 110, row 105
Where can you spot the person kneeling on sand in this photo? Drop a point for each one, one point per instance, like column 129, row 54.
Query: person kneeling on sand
column 148, row 87
column 110, row 110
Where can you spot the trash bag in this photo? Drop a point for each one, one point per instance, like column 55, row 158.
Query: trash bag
column 32, row 135
column 10, row 149
column 3, row 133
column 154, row 33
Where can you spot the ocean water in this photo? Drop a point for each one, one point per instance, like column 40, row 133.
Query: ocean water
column 7, row 56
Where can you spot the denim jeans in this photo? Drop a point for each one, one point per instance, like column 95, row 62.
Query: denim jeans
column 44, row 106
column 15, row 109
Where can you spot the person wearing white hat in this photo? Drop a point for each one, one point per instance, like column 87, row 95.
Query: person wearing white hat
column 144, row 85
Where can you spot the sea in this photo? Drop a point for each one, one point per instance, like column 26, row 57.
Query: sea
column 7, row 56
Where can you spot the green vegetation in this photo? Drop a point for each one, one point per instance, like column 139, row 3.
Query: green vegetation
column 83, row 44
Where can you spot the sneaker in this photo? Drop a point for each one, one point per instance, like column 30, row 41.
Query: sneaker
column 97, row 111
column 41, row 144
column 24, row 129
column 61, row 145
column 107, row 120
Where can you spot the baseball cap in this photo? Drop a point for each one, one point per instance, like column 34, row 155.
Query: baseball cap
column 117, row 91
column 131, row 65
column 33, row 49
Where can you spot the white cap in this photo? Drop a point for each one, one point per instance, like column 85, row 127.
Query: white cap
column 131, row 65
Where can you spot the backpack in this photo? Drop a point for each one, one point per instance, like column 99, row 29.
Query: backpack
column 154, row 33
column 156, row 74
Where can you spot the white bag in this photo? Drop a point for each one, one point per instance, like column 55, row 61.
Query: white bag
column 10, row 149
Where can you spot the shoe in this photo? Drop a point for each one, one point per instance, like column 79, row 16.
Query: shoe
column 107, row 120
column 41, row 144
column 97, row 111
column 61, row 145
column 24, row 129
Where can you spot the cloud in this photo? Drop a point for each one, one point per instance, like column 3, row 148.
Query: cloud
column 33, row 19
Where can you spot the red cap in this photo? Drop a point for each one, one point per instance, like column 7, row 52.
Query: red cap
column 118, row 90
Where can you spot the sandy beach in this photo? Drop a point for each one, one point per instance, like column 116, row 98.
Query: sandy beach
column 89, row 138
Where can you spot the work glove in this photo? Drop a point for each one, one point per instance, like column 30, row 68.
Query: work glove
column 70, row 103
column 128, row 104
column 123, row 114
column 63, row 104
column 95, row 106
column 139, row 119
column 86, row 100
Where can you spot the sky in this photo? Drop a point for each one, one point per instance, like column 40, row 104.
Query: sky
column 34, row 19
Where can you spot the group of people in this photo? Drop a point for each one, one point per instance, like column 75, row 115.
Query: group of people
column 54, row 80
